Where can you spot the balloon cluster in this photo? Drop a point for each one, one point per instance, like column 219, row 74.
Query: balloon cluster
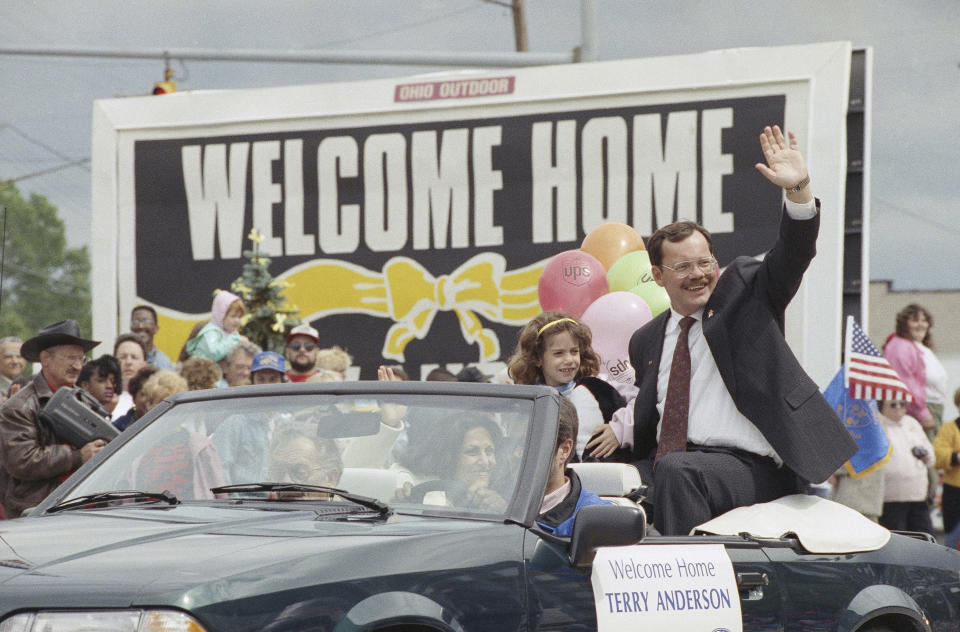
column 606, row 284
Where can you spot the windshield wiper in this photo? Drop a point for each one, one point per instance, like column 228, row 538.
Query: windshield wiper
column 105, row 497
column 364, row 501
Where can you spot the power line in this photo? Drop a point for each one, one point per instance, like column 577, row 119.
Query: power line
column 326, row 56
column 43, row 172
column 33, row 140
column 69, row 162
column 915, row 215
column 407, row 25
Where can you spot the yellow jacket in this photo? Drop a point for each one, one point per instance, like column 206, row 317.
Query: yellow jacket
column 945, row 446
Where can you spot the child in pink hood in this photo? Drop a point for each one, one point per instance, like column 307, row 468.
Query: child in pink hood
column 220, row 335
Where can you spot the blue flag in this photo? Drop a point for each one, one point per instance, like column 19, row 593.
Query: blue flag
column 862, row 420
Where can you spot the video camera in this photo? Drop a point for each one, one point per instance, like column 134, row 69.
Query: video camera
column 77, row 418
column 918, row 451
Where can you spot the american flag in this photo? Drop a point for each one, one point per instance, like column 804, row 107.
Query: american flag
column 869, row 375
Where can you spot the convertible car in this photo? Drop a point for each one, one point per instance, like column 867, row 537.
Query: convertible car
column 413, row 506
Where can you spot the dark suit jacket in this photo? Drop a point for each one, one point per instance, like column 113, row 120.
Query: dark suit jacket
column 743, row 326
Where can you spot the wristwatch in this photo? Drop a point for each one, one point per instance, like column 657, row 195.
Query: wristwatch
column 799, row 186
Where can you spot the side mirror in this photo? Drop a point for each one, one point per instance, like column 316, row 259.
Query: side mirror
column 604, row 525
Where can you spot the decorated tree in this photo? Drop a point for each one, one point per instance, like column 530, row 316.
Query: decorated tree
column 268, row 318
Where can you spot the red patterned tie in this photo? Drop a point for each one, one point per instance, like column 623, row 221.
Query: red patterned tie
column 673, row 427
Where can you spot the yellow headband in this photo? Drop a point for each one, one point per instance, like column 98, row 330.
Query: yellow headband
column 554, row 322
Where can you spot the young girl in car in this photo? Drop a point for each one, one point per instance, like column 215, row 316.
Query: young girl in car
column 555, row 349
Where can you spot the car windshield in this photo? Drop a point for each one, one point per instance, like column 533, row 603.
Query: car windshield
column 413, row 452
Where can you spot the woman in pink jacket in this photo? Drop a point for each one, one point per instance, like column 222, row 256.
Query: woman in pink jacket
column 910, row 352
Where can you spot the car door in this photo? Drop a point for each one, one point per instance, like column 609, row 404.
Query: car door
column 561, row 597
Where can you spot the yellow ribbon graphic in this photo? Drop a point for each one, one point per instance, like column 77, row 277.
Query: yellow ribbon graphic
column 408, row 294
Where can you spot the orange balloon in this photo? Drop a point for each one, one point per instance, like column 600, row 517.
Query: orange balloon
column 608, row 242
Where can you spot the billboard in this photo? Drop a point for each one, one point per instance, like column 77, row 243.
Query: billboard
column 412, row 216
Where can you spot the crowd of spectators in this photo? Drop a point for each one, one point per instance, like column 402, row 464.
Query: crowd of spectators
column 138, row 375
column 921, row 474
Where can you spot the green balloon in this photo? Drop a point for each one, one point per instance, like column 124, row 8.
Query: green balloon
column 629, row 271
column 655, row 296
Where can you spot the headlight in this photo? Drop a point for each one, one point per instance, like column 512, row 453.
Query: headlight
column 102, row 621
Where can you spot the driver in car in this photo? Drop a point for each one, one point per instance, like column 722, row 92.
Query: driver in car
column 466, row 465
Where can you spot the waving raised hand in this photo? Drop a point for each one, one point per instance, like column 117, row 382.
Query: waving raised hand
column 785, row 165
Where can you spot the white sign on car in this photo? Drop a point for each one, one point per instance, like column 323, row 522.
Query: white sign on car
column 669, row 587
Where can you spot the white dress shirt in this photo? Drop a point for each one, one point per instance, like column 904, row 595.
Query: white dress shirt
column 713, row 418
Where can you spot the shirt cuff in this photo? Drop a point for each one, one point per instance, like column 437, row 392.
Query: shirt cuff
column 797, row 211
column 622, row 424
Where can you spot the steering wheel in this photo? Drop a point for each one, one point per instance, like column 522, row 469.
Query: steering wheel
column 455, row 491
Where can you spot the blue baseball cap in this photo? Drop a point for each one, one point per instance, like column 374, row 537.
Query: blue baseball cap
column 268, row 360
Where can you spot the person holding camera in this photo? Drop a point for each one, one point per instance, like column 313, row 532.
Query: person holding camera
column 905, row 475
column 34, row 461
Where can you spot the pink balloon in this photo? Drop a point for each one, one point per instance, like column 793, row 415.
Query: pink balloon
column 612, row 319
column 571, row 281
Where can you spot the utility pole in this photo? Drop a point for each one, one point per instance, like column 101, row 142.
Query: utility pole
column 520, row 27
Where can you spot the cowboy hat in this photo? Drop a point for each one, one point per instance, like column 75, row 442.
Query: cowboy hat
column 66, row 332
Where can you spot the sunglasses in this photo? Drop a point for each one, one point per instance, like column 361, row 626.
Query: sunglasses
column 897, row 404
column 296, row 346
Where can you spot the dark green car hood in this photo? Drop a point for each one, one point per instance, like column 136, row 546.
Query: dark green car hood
column 191, row 555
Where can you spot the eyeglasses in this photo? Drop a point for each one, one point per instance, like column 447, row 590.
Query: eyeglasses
column 684, row 268
column 141, row 321
column 297, row 472
column 296, row 346
column 71, row 358
column 10, row 356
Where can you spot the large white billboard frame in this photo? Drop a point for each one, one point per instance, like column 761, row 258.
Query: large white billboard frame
column 813, row 77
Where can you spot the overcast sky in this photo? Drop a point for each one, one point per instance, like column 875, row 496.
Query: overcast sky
column 45, row 103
